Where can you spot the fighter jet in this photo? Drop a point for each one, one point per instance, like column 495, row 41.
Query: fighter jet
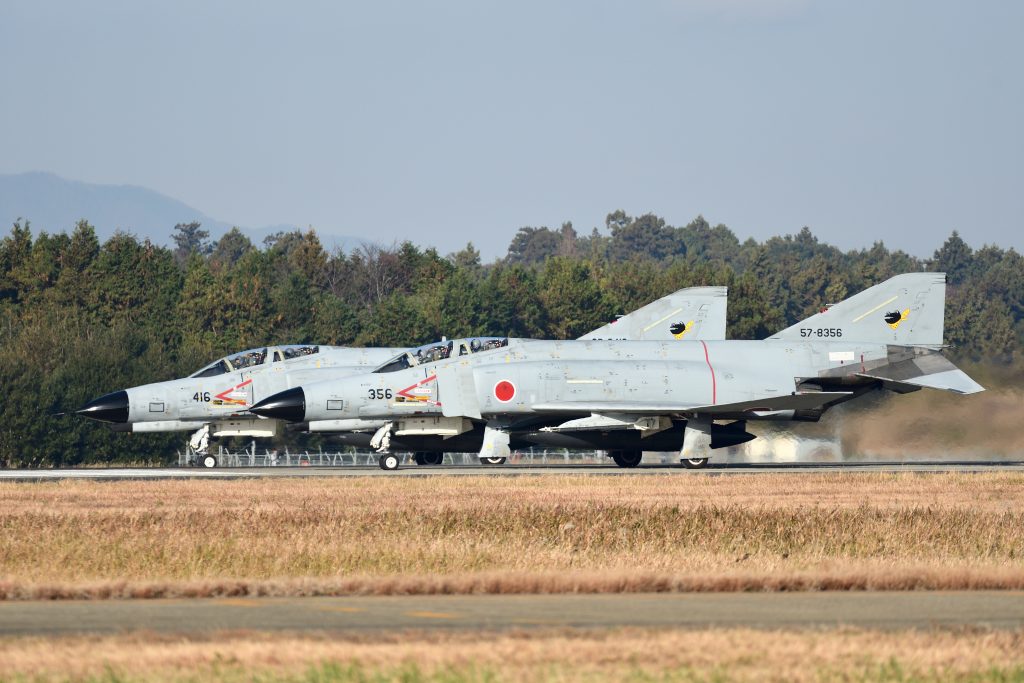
column 215, row 401
column 689, row 314
column 631, row 396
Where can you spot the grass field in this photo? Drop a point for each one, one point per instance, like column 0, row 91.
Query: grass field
column 593, row 656
column 491, row 534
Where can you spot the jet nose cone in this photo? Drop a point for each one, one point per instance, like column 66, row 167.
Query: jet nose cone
column 108, row 408
column 289, row 406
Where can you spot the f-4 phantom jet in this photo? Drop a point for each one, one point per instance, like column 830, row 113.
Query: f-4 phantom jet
column 215, row 401
column 631, row 396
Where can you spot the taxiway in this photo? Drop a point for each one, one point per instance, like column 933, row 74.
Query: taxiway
column 895, row 610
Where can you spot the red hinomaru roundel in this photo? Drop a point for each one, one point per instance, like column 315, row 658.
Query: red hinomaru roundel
column 504, row 391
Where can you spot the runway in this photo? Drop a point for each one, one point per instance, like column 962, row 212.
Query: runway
column 887, row 610
column 122, row 473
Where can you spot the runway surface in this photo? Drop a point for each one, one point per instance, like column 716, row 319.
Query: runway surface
column 506, row 470
column 889, row 610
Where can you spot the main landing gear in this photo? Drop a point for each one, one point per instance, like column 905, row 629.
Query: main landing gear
column 428, row 458
column 492, row 461
column 694, row 463
column 627, row 458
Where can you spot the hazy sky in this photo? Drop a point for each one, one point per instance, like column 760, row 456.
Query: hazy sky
column 445, row 122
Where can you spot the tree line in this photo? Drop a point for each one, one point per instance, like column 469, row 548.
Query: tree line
column 81, row 318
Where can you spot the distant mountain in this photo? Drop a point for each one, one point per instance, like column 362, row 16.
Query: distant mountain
column 55, row 204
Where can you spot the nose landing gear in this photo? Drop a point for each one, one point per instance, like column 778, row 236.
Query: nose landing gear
column 388, row 462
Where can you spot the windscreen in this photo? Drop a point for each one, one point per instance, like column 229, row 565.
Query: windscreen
column 290, row 352
column 218, row 368
column 247, row 359
column 238, row 361
column 435, row 351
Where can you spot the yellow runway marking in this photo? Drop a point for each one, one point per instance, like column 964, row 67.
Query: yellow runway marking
column 346, row 610
column 238, row 602
column 432, row 615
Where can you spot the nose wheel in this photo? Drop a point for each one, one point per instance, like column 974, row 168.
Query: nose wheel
column 695, row 463
column 388, row 462
column 208, row 461
column 493, row 461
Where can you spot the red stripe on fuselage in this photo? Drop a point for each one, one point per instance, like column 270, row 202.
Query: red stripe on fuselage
column 714, row 384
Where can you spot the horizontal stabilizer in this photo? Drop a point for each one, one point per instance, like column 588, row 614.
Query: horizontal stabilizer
column 957, row 381
column 931, row 371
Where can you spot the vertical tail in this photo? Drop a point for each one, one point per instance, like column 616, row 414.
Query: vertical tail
column 691, row 313
column 905, row 310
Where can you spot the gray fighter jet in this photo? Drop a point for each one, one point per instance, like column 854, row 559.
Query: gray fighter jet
column 215, row 401
column 631, row 396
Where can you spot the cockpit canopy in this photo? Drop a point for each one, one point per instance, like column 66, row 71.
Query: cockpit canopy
column 428, row 353
column 254, row 357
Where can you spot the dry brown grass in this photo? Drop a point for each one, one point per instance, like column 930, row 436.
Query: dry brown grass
column 726, row 654
column 485, row 534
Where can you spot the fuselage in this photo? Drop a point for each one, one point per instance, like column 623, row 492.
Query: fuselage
column 570, row 377
column 219, row 392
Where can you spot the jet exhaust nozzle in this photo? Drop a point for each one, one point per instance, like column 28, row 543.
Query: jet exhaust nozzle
column 289, row 405
column 111, row 407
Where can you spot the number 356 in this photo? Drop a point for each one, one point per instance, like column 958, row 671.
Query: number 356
column 380, row 393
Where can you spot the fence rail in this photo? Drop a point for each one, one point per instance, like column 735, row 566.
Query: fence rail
column 253, row 457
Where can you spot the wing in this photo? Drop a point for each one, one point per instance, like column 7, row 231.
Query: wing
column 811, row 400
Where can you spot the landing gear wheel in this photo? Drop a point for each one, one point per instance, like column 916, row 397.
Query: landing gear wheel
column 492, row 461
column 428, row 458
column 388, row 462
column 627, row 458
column 695, row 463
column 208, row 461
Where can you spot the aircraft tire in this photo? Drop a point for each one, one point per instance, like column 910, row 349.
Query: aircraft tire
column 627, row 458
column 208, row 461
column 492, row 461
column 695, row 463
column 420, row 458
column 388, row 462
column 433, row 458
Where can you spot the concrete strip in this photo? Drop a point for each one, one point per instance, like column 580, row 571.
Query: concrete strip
column 117, row 473
column 887, row 610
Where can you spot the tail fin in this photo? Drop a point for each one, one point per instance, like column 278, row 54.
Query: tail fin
column 906, row 310
column 692, row 313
